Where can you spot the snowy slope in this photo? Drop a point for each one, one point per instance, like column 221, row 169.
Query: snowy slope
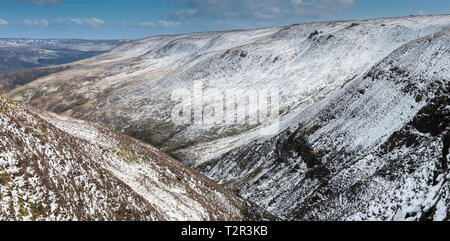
column 129, row 88
column 58, row 168
column 375, row 150
column 365, row 112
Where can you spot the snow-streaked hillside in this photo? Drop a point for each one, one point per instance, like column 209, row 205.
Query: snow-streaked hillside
column 376, row 150
column 129, row 88
column 58, row 168
column 364, row 104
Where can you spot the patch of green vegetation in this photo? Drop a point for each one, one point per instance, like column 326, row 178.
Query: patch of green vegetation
column 23, row 213
column 28, row 129
column 99, row 186
column 76, row 101
column 4, row 178
column 188, row 193
column 127, row 156
column 38, row 210
column 59, row 182
column 165, row 183
column 61, row 108
column 38, row 94
column 153, row 132
column 5, row 108
column 34, row 131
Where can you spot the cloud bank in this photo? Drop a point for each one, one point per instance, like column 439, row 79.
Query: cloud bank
column 91, row 22
column 260, row 9
column 35, row 22
column 3, row 22
column 162, row 23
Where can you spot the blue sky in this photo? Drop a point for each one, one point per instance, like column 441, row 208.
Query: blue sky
column 132, row 19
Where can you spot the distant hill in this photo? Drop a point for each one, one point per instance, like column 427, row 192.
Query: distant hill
column 33, row 53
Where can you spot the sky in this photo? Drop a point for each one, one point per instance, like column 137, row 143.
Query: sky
column 133, row 19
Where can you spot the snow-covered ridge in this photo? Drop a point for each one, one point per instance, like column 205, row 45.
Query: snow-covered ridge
column 129, row 88
column 59, row 168
column 375, row 150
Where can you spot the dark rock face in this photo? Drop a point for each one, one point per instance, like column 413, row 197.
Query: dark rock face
column 435, row 116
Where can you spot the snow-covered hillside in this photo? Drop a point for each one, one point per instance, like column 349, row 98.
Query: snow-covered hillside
column 375, row 150
column 129, row 89
column 58, row 168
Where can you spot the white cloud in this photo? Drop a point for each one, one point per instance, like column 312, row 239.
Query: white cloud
column 162, row 23
column 261, row 9
column 168, row 23
column 35, row 22
column 3, row 22
column 181, row 14
column 43, row 2
column 92, row 22
column 147, row 24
